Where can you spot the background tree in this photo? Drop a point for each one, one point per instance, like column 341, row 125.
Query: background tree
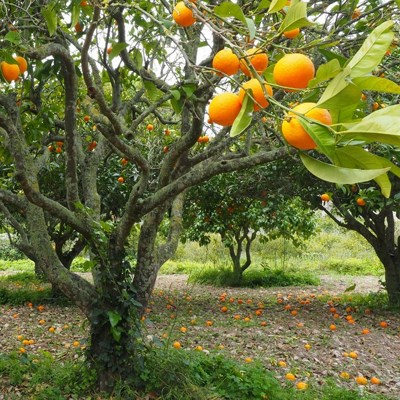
column 125, row 73
column 229, row 205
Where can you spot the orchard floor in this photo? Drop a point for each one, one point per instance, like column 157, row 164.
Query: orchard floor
column 287, row 320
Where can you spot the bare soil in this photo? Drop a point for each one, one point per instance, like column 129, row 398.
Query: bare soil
column 276, row 334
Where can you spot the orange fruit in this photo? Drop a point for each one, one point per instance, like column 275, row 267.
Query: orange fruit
column 282, row 363
column 165, row 149
column 183, row 15
column 356, row 13
column 360, row 201
column 307, row 346
column 353, row 355
column 199, row 348
column 209, row 323
column 289, row 376
column 332, row 327
column 83, row 3
column 248, row 360
column 22, row 63
column 345, row 375
column 363, row 97
column 224, row 108
column 295, row 134
column 224, row 309
column 375, row 106
column 150, row 127
column 121, row 179
column 176, row 345
column 109, row 50
column 361, row 380
column 294, row 71
column 301, row 385
column 292, row 33
column 167, row 132
column 257, row 58
column 326, row 197
column 78, row 27
column 52, row 329
column 226, row 62
column 183, row 329
column 22, row 350
column 58, row 150
column 124, row 161
column 260, row 99
column 383, row 324
column 375, row 381
column 10, row 71
column 365, row 331
column 86, row 118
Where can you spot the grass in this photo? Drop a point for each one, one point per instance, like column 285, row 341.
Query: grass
column 171, row 375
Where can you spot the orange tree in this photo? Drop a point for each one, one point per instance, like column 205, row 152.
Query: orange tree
column 233, row 206
column 134, row 81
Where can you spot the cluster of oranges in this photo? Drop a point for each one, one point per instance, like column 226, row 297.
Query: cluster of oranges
column 292, row 72
column 11, row 72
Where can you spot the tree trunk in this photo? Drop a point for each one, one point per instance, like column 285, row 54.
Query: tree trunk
column 237, row 268
column 391, row 264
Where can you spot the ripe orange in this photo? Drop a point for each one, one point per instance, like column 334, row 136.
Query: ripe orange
column 22, row 63
column 150, row 127
column 361, row 380
column 375, row 381
column 75, row 343
column 58, row 150
column 282, row 363
column 353, row 355
column 109, row 50
column 10, row 71
column 363, row 97
column 167, row 132
column 226, row 62
column 224, row 309
column 78, row 27
column 86, row 118
column 360, row 201
column 257, row 58
column 52, row 329
column 326, row 197
column 383, row 324
column 224, row 108
column 203, row 139
column 121, row 179
column 375, row 106
column 183, row 15
column 176, row 345
column 289, row 376
column 365, row 331
column 294, row 71
column 124, row 161
column 292, row 33
column 345, row 375
column 295, row 134
column 332, row 327
column 356, row 13
column 92, row 145
column 209, row 323
column 165, row 149
column 199, row 348
column 307, row 346
column 248, row 360
column 183, row 329
column 260, row 100
column 301, row 386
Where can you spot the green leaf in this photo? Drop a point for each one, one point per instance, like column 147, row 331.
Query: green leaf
column 330, row 55
column 296, row 17
column 13, row 37
column 357, row 157
column 116, row 334
column 321, row 135
column 340, row 175
column 114, row 318
column 75, row 13
column 137, row 58
column 251, row 27
column 243, row 120
column 340, row 93
column 116, row 49
column 325, row 72
column 228, row 9
column 398, row 3
column 189, row 89
column 152, row 91
column 276, row 5
column 380, row 126
column 369, row 56
column 264, row 4
column 374, row 83
column 50, row 16
column 350, row 288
